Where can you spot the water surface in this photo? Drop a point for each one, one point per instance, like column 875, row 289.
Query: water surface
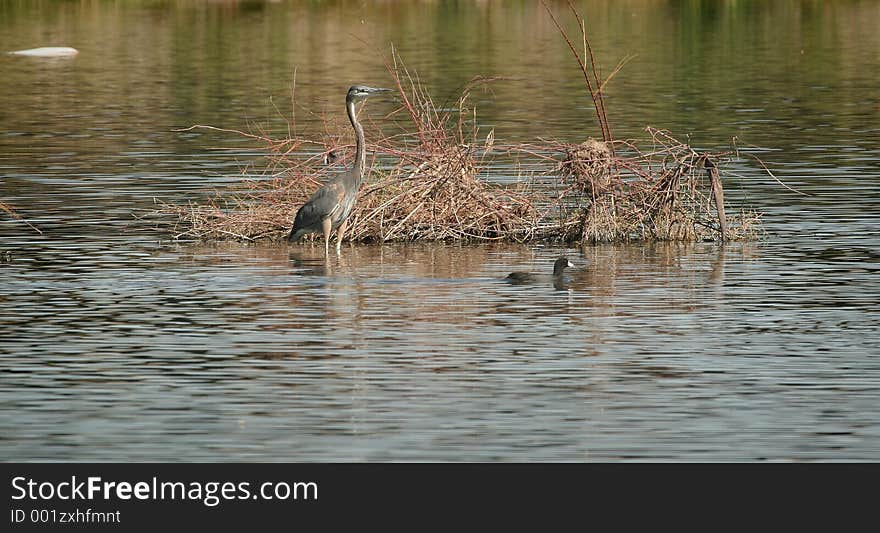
column 118, row 344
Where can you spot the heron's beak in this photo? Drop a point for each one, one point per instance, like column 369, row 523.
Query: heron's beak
column 375, row 90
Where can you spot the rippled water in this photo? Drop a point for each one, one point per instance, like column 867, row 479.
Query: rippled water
column 118, row 344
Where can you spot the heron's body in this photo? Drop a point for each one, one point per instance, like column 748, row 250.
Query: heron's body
column 327, row 204
column 330, row 206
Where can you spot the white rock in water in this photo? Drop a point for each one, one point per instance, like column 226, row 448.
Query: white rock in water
column 47, row 51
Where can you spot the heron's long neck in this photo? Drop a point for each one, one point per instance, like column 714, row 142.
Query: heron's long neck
column 360, row 155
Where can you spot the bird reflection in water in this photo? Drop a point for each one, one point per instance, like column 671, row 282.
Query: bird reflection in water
column 311, row 265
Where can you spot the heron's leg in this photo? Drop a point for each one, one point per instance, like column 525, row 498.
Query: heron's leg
column 340, row 233
column 326, row 224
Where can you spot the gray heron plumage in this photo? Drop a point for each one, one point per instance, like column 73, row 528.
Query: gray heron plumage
column 330, row 206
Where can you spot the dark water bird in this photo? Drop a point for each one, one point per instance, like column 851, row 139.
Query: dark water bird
column 330, row 206
column 559, row 267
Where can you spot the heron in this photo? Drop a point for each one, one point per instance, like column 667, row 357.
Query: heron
column 330, row 206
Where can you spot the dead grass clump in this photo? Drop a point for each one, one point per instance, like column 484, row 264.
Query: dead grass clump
column 616, row 191
column 257, row 207
column 434, row 192
column 667, row 193
column 589, row 165
column 442, row 198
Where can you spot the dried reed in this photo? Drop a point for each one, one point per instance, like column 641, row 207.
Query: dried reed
column 666, row 192
column 12, row 213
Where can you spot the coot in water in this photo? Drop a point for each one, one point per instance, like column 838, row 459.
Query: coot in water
column 559, row 267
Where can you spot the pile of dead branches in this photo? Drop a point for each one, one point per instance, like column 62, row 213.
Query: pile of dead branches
column 427, row 181
column 665, row 191
column 430, row 189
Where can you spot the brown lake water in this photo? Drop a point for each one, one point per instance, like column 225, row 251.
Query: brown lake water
column 117, row 344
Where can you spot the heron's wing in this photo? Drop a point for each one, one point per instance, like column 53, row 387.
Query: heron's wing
column 323, row 203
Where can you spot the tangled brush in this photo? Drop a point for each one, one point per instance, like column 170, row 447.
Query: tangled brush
column 426, row 184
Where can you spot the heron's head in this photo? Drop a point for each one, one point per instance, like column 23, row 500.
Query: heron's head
column 357, row 93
